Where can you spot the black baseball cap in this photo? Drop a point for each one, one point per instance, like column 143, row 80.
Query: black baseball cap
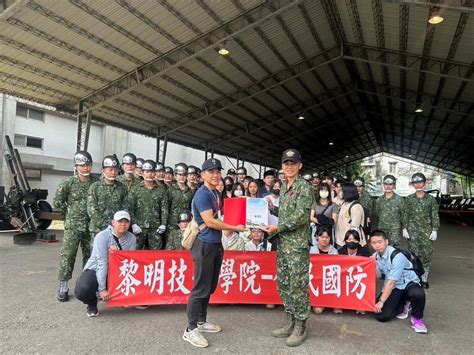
column 291, row 155
column 211, row 164
column 231, row 172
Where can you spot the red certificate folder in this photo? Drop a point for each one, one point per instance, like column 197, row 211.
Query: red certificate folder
column 235, row 210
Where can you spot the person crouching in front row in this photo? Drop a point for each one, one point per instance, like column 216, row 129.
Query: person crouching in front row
column 94, row 276
column 402, row 290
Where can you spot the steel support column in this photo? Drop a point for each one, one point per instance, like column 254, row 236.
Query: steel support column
column 83, row 130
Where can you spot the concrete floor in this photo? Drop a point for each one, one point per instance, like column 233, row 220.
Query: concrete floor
column 32, row 320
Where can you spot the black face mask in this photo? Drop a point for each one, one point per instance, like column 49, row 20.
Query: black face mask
column 228, row 187
column 276, row 192
column 352, row 245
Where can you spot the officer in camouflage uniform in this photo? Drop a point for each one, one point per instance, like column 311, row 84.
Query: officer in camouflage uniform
column 70, row 200
column 389, row 209
column 366, row 202
column 129, row 165
column 106, row 197
column 296, row 199
column 421, row 223
column 148, row 207
column 179, row 195
column 176, row 234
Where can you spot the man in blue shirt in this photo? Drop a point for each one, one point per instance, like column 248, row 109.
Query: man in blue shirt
column 402, row 290
column 94, row 276
column 207, row 253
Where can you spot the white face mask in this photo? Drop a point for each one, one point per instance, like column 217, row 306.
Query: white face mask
column 324, row 194
column 238, row 193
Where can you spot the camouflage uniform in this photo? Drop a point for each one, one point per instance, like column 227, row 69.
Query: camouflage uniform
column 366, row 202
column 70, row 200
column 390, row 213
column 293, row 247
column 129, row 184
column 420, row 218
column 179, row 202
column 174, row 239
column 149, row 210
column 103, row 201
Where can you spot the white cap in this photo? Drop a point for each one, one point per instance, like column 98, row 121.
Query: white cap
column 121, row 215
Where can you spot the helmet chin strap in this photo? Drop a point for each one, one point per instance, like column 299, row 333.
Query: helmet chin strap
column 108, row 177
column 167, row 180
column 82, row 174
column 129, row 171
column 421, row 189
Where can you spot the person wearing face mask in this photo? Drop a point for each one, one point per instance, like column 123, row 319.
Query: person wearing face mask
column 176, row 234
column 71, row 200
column 168, row 176
column 179, row 195
column 105, row 197
column 323, row 211
column 421, row 223
column 138, row 169
column 129, row 164
column 238, row 190
column 228, row 185
column 389, row 210
column 352, row 245
column 148, row 206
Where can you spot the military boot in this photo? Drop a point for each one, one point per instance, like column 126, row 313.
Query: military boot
column 287, row 329
column 63, row 291
column 299, row 334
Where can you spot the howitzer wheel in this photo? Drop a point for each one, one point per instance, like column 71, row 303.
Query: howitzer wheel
column 43, row 206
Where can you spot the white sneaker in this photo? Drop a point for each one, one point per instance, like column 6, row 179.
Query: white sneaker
column 195, row 338
column 209, row 327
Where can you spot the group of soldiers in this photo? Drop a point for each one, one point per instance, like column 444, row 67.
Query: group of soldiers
column 158, row 199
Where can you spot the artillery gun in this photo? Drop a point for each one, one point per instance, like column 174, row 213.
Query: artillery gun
column 23, row 208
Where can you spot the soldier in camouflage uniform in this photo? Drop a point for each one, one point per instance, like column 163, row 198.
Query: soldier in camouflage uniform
column 148, row 207
column 179, row 195
column 70, row 200
column 160, row 175
column 106, row 197
column 129, row 164
column 176, row 234
column 192, row 178
column 296, row 199
column 389, row 209
column 138, row 169
column 421, row 223
column 168, row 176
column 366, row 202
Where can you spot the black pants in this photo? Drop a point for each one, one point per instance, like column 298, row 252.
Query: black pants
column 86, row 288
column 395, row 302
column 207, row 259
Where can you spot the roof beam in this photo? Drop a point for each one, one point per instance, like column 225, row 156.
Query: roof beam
column 180, row 55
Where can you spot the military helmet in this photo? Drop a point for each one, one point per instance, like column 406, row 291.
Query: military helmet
column 307, row 177
column 241, row 171
column 110, row 161
column 181, row 169
column 198, row 171
column 280, row 172
column 159, row 166
column 359, row 182
column 389, row 180
column 315, row 175
column 149, row 165
column 168, row 170
column 418, row 177
column 184, row 217
column 192, row 169
column 140, row 162
column 82, row 158
column 129, row 158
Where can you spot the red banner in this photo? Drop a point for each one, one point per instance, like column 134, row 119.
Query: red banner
column 166, row 277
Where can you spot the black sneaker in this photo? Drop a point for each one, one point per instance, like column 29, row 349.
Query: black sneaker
column 63, row 296
column 92, row 311
column 425, row 285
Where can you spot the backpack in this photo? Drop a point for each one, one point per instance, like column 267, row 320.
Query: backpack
column 414, row 259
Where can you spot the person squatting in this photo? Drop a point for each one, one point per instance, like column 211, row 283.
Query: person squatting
column 149, row 205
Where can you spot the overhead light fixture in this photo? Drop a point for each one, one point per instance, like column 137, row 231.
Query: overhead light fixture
column 409, row 155
column 347, row 157
column 436, row 18
column 418, row 108
column 301, row 117
column 331, row 143
column 223, row 51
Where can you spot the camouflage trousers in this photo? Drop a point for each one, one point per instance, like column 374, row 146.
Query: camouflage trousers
column 71, row 241
column 155, row 241
column 293, row 280
column 421, row 245
column 173, row 242
column 394, row 236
